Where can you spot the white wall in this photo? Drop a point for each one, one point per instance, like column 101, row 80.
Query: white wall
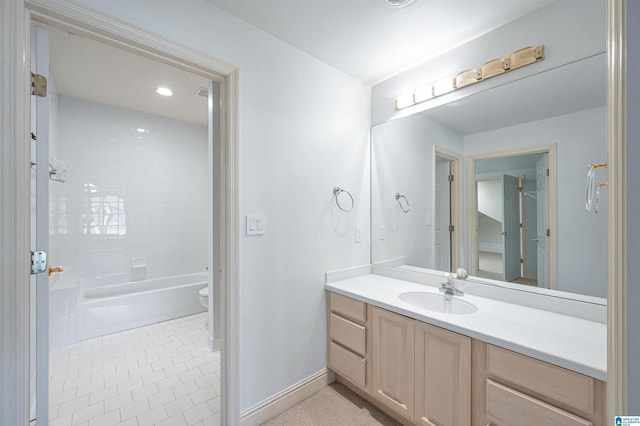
column 580, row 139
column 304, row 129
column 569, row 29
column 633, row 177
column 403, row 162
column 490, row 198
column 127, row 195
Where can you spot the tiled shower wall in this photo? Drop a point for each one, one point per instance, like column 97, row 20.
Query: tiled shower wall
column 135, row 189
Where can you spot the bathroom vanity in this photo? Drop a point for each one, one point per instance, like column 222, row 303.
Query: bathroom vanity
column 427, row 363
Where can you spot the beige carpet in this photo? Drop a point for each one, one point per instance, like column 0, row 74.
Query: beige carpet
column 334, row 405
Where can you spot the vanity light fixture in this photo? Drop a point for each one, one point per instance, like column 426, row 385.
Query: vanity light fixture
column 164, row 91
column 466, row 78
column 423, row 94
column 443, row 86
column 517, row 59
column 404, row 101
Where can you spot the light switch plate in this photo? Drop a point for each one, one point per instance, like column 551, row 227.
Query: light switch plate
column 256, row 224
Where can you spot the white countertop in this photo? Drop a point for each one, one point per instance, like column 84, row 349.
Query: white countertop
column 574, row 343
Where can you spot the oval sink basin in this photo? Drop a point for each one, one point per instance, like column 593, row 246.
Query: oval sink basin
column 437, row 303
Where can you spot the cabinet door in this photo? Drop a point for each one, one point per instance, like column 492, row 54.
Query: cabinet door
column 443, row 377
column 393, row 358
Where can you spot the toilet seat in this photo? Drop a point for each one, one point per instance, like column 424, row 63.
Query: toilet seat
column 203, row 296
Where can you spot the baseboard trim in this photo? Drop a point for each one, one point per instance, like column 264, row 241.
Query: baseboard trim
column 286, row 399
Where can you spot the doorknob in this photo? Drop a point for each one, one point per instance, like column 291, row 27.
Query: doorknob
column 504, row 233
column 55, row 270
column 535, row 239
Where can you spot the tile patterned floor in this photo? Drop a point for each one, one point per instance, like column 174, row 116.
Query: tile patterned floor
column 162, row 374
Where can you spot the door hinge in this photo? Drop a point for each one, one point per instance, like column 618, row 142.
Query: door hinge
column 520, row 188
column 38, row 262
column 451, row 178
column 451, row 228
column 547, row 172
column 548, row 232
column 38, row 85
column 520, row 225
column 521, row 260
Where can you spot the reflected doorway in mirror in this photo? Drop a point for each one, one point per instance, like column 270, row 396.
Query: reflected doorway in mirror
column 512, row 236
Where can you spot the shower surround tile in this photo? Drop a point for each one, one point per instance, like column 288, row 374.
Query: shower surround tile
column 138, row 377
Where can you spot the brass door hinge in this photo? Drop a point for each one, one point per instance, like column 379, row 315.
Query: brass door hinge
column 451, row 228
column 548, row 232
column 521, row 260
column 451, row 178
column 547, row 172
column 38, row 85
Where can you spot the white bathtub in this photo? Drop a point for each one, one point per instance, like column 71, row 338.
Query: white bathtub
column 119, row 307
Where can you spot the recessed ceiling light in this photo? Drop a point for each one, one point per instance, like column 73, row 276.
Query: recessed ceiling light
column 164, row 91
column 141, row 130
column 398, row 3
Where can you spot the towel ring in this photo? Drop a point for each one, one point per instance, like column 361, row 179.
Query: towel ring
column 398, row 197
column 336, row 192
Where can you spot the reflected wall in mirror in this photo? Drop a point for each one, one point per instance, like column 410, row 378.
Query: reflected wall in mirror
column 561, row 110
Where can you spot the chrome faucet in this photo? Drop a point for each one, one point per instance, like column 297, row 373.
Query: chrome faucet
column 448, row 286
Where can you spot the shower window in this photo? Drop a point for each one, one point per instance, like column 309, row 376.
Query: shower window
column 105, row 215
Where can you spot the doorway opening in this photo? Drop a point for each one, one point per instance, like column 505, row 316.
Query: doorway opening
column 446, row 222
column 108, row 214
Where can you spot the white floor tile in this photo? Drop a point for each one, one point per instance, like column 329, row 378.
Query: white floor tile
column 197, row 413
column 178, row 406
column 175, row 421
column 162, row 374
column 152, row 417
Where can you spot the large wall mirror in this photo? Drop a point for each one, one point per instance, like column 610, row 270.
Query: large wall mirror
column 514, row 209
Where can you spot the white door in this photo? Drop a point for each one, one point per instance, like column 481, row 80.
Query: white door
column 442, row 235
column 542, row 197
column 511, row 227
column 40, row 229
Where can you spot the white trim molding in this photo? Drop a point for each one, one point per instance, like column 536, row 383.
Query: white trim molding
column 282, row 401
column 617, row 200
column 14, row 217
column 14, row 198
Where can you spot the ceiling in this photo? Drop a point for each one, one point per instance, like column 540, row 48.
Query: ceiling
column 364, row 38
column 372, row 41
column 85, row 69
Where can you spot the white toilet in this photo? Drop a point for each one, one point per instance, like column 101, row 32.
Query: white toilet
column 203, row 295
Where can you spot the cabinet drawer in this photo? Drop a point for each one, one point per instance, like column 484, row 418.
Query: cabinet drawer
column 347, row 333
column 506, row 406
column 348, row 307
column 562, row 385
column 347, row 363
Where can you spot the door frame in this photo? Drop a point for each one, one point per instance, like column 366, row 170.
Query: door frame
column 472, row 207
column 17, row 15
column 617, row 391
column 456, row 202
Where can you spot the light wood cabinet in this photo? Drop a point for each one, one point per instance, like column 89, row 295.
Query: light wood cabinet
column 443, row 377
column 393, row 361
column 426, row 375
column 520, row 390
column 348, row 346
